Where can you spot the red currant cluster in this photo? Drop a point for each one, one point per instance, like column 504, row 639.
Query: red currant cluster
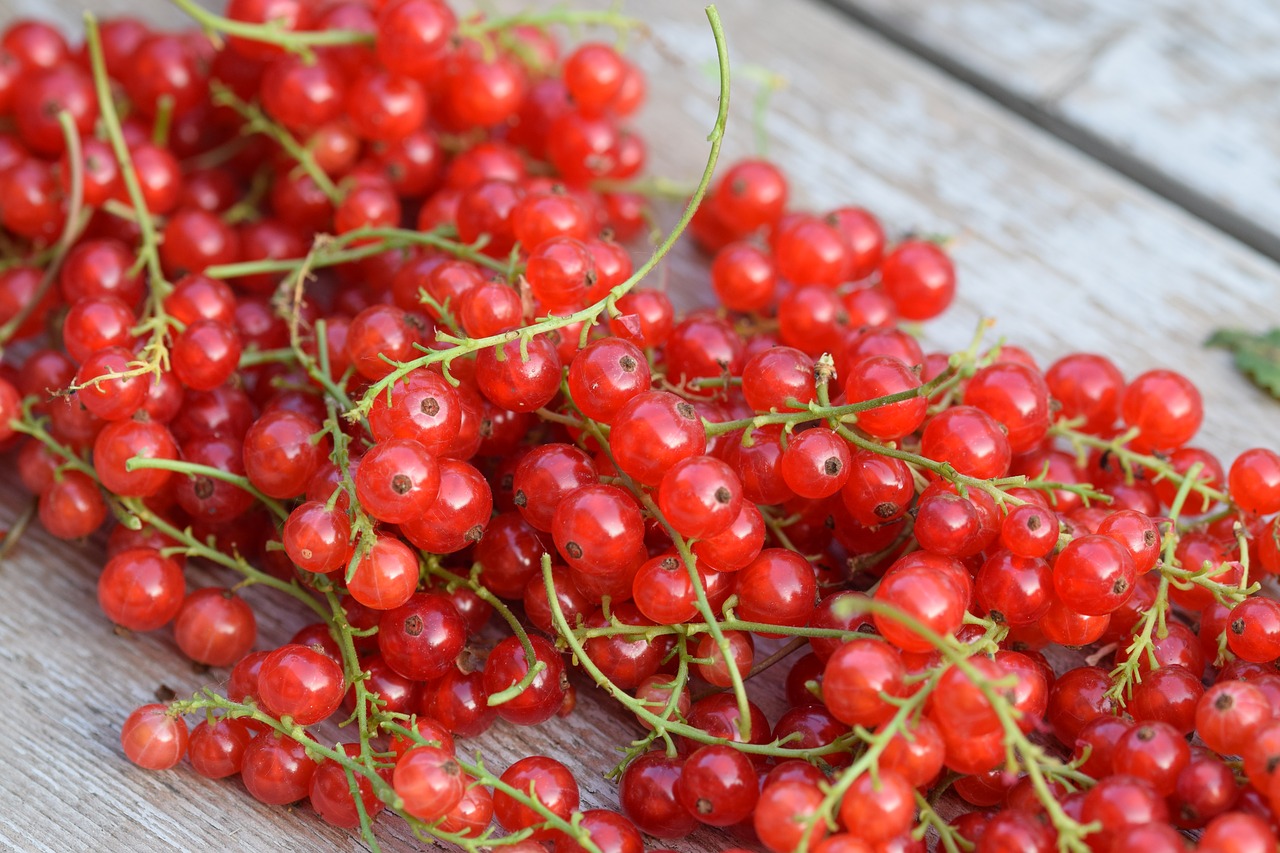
column 345, row 311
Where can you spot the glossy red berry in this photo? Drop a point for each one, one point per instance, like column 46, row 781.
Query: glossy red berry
column 154, row 738
column 919, row 278
column 302, row 683
column 718, row 785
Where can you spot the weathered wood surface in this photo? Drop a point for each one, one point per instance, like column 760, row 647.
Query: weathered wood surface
column 1066, row 254
column 1177, row 93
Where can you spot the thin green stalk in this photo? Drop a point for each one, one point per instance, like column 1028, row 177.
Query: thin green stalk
column 74, row 225
column 154, row 356
column 535, row 667
column 256, row 121
column 195, row 469
column 272, row 32
column 642, row 711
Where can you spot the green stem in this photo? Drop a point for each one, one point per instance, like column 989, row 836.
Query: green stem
column 195, row 469
column 13, row 535
column 155, row 353
column 256, row 121
column 1022, row 752
column 272, row 32
column 869, row 759
column 570, row 17
column 71, row 230
column 535, row 666
column 815, row 410
column 641, row 710
column 1129, row 459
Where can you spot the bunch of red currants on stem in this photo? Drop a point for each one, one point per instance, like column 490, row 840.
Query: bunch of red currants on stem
column 341, row 299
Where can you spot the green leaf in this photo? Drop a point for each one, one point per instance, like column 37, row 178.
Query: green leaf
column 1257, row 355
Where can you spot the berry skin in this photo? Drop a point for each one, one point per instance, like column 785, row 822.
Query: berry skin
column 302, row 683
column 858, row 676
column 459, row 514
column 933, row 598
column 1094, row 575
column 1253, row 630
column 654, row 431
column 880, row 808
column 140, row 589
column 276, row 769
column 969, row 440
column 216, row 749
column 430, row 782
column 279, row 455
column 647, row 795
column 718, row 786
column 1165, row 407
column 317, row 539
column 397, row 480
column 816, row 463
column 598, row 529
column 919, row 278
column 605, row 375
column 700, row 497
column 550, row 782
column 413, row 36
column 778, row 588
column 516, row 383
column 215, row 627
column 386, row 576
column 1254, row 481
column 772, row 379
column 153, row 739
column 508, row 664
column 784, row 812
column 421, row 638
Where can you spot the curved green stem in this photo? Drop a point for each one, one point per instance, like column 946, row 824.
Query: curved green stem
column 272, row 32
column 195, row 469
column 588, row 316
column 256, row 121
column 71, row 230
column 155, row 353
column 535, row 667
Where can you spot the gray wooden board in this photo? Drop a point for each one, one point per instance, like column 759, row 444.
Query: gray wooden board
column 1066, row 254
column 1177, row 93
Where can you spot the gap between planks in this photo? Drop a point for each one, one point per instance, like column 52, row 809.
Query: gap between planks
column 1102, row 150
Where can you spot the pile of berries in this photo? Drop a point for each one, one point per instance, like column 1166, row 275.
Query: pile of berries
column 344, row 299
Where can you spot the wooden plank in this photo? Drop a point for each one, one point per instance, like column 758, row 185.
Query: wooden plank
column 1177, row 95
column 1067, row 255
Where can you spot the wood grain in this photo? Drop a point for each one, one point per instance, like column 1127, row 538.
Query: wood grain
column 1067, row 255
column 1177, row 93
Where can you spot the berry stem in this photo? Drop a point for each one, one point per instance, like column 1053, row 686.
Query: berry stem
column 256, row 121
column 157, row 322
column 1020, row 750
column 695, row 580
column 868, row 761
column 13, row 535
column 1128, row 458
column 77, row 219
column 272, row 32
column 478, row 27
column 135, row 514
column 948, row 838
column 431, row 565
column 195, row 469
column 641, row 709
